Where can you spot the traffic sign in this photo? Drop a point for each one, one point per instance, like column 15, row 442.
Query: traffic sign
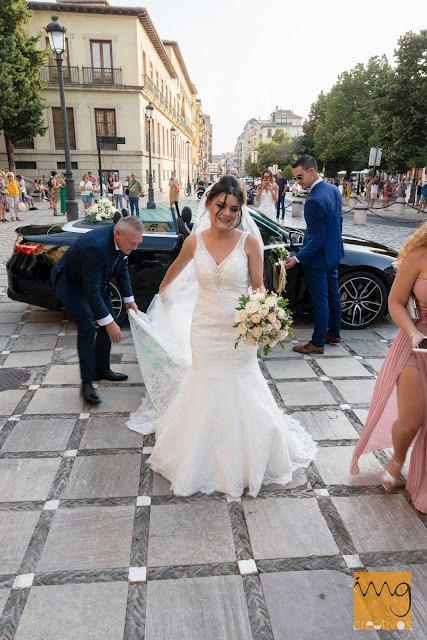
column 111, row 140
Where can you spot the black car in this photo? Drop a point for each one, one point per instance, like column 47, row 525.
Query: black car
column 366, row 272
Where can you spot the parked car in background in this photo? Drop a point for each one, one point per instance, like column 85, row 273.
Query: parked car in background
column 366, row 272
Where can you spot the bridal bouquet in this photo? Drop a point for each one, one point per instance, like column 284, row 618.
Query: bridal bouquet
column 103, row 209
column 263, row 320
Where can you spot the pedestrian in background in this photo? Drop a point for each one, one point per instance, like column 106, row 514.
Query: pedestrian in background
column 174, row 191
column 374, row 190
column 134, row 191
column 24, row 196
column 62, row 194
column 388, row 190
column 419, row 192
column 282, row 186
column 118, row 191
column 85, row 191
column 126, row 191
column 398, row 413
column 3, row 197
column 54, row 192
column 13, row 196
column 110, row 189
column 423, row 198
column 267, row 194
column 233, row 172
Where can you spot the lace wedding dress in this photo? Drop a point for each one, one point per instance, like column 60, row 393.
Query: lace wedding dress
column 219, row 427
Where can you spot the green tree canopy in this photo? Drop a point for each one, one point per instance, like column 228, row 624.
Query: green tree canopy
column 21, row 106
column 352, row 113
column 404, row 104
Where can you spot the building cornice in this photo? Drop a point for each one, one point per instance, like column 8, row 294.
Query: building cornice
column 177, row 51
column 137, row 12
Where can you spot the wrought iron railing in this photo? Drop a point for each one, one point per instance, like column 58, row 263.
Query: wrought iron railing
column 50, row 74
column 102, row 75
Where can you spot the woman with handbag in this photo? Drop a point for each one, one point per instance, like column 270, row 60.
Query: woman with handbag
column 174, row 191
column 398, row 413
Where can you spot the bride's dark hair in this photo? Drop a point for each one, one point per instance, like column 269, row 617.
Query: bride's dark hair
column 228, row 185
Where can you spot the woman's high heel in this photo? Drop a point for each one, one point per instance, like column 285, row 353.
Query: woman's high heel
column 387, row 477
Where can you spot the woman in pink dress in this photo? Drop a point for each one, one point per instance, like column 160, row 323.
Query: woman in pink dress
column 398, row 413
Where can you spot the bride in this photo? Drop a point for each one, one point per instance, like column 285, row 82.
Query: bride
column 217, row 425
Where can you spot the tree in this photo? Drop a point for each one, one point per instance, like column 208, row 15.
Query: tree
column 21, row 106
column 404, row 105
column 288, row 172
column 352, row 113
column 305, row 144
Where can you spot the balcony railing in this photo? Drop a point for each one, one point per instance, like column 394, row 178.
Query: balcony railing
column 50, row 74
column 160, row 99
column 101, row 75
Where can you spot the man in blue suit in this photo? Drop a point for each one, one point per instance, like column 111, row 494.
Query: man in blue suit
column 81, row 279
column 320, row 255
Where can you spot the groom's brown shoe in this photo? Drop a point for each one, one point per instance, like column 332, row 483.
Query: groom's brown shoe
column 331, row 340
column 308, row 348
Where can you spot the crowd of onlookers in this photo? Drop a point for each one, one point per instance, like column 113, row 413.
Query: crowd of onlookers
column 382, row 192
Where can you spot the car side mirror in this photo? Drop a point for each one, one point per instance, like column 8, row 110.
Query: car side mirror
column 296, row 238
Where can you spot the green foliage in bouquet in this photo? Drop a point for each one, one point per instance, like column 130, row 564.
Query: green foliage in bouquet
column 263, row 320
column 278, row 253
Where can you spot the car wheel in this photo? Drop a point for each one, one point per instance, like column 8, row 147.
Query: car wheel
column 117, row 302
column 363, row 299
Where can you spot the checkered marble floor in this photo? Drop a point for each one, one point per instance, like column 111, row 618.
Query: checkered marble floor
column 94, row 545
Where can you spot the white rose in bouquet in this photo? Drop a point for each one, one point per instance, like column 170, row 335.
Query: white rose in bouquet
column 255, row 318
column 271, row 301
column 263, row 310
column 257, row 296
column 240, row 315
column 268, row 328
column 242, row 328
column 283, row 333
column 252, row 306
column 281, row 313
column 277, row 325
column 257, row 332
column 250, row 341
column 98, row 217
column 271, row 317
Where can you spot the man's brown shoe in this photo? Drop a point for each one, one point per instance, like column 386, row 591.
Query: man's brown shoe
column 308, row 348
column 331, row 340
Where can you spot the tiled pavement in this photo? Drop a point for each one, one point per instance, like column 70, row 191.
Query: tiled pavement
column 93, row 545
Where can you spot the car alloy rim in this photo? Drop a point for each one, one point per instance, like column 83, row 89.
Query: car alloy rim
column 361, row 300
column 116, row 299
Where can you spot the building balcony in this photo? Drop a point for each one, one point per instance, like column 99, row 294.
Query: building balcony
column 100, row 76
column 50, row 74
column 159, row 99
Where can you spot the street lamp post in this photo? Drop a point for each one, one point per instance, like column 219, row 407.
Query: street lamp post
column 56, row 33
column 188, row 167
column 150, row 203
column 173, row 135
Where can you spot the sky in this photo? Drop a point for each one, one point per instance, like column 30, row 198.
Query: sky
column 246, row 57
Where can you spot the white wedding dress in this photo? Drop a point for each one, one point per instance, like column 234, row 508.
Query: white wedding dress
column 217, row 425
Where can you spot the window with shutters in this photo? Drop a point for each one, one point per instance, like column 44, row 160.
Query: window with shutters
column 58, row 129
column 105, row 122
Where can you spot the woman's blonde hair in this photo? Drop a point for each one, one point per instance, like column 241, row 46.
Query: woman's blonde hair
column 418, row 239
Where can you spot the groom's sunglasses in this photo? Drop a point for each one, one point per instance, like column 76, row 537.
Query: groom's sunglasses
column 301, row 177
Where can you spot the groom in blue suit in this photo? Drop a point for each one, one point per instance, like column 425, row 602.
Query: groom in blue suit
column 81, row 280
column 321, row 253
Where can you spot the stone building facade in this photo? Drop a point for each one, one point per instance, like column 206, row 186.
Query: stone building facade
column 115, row 63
